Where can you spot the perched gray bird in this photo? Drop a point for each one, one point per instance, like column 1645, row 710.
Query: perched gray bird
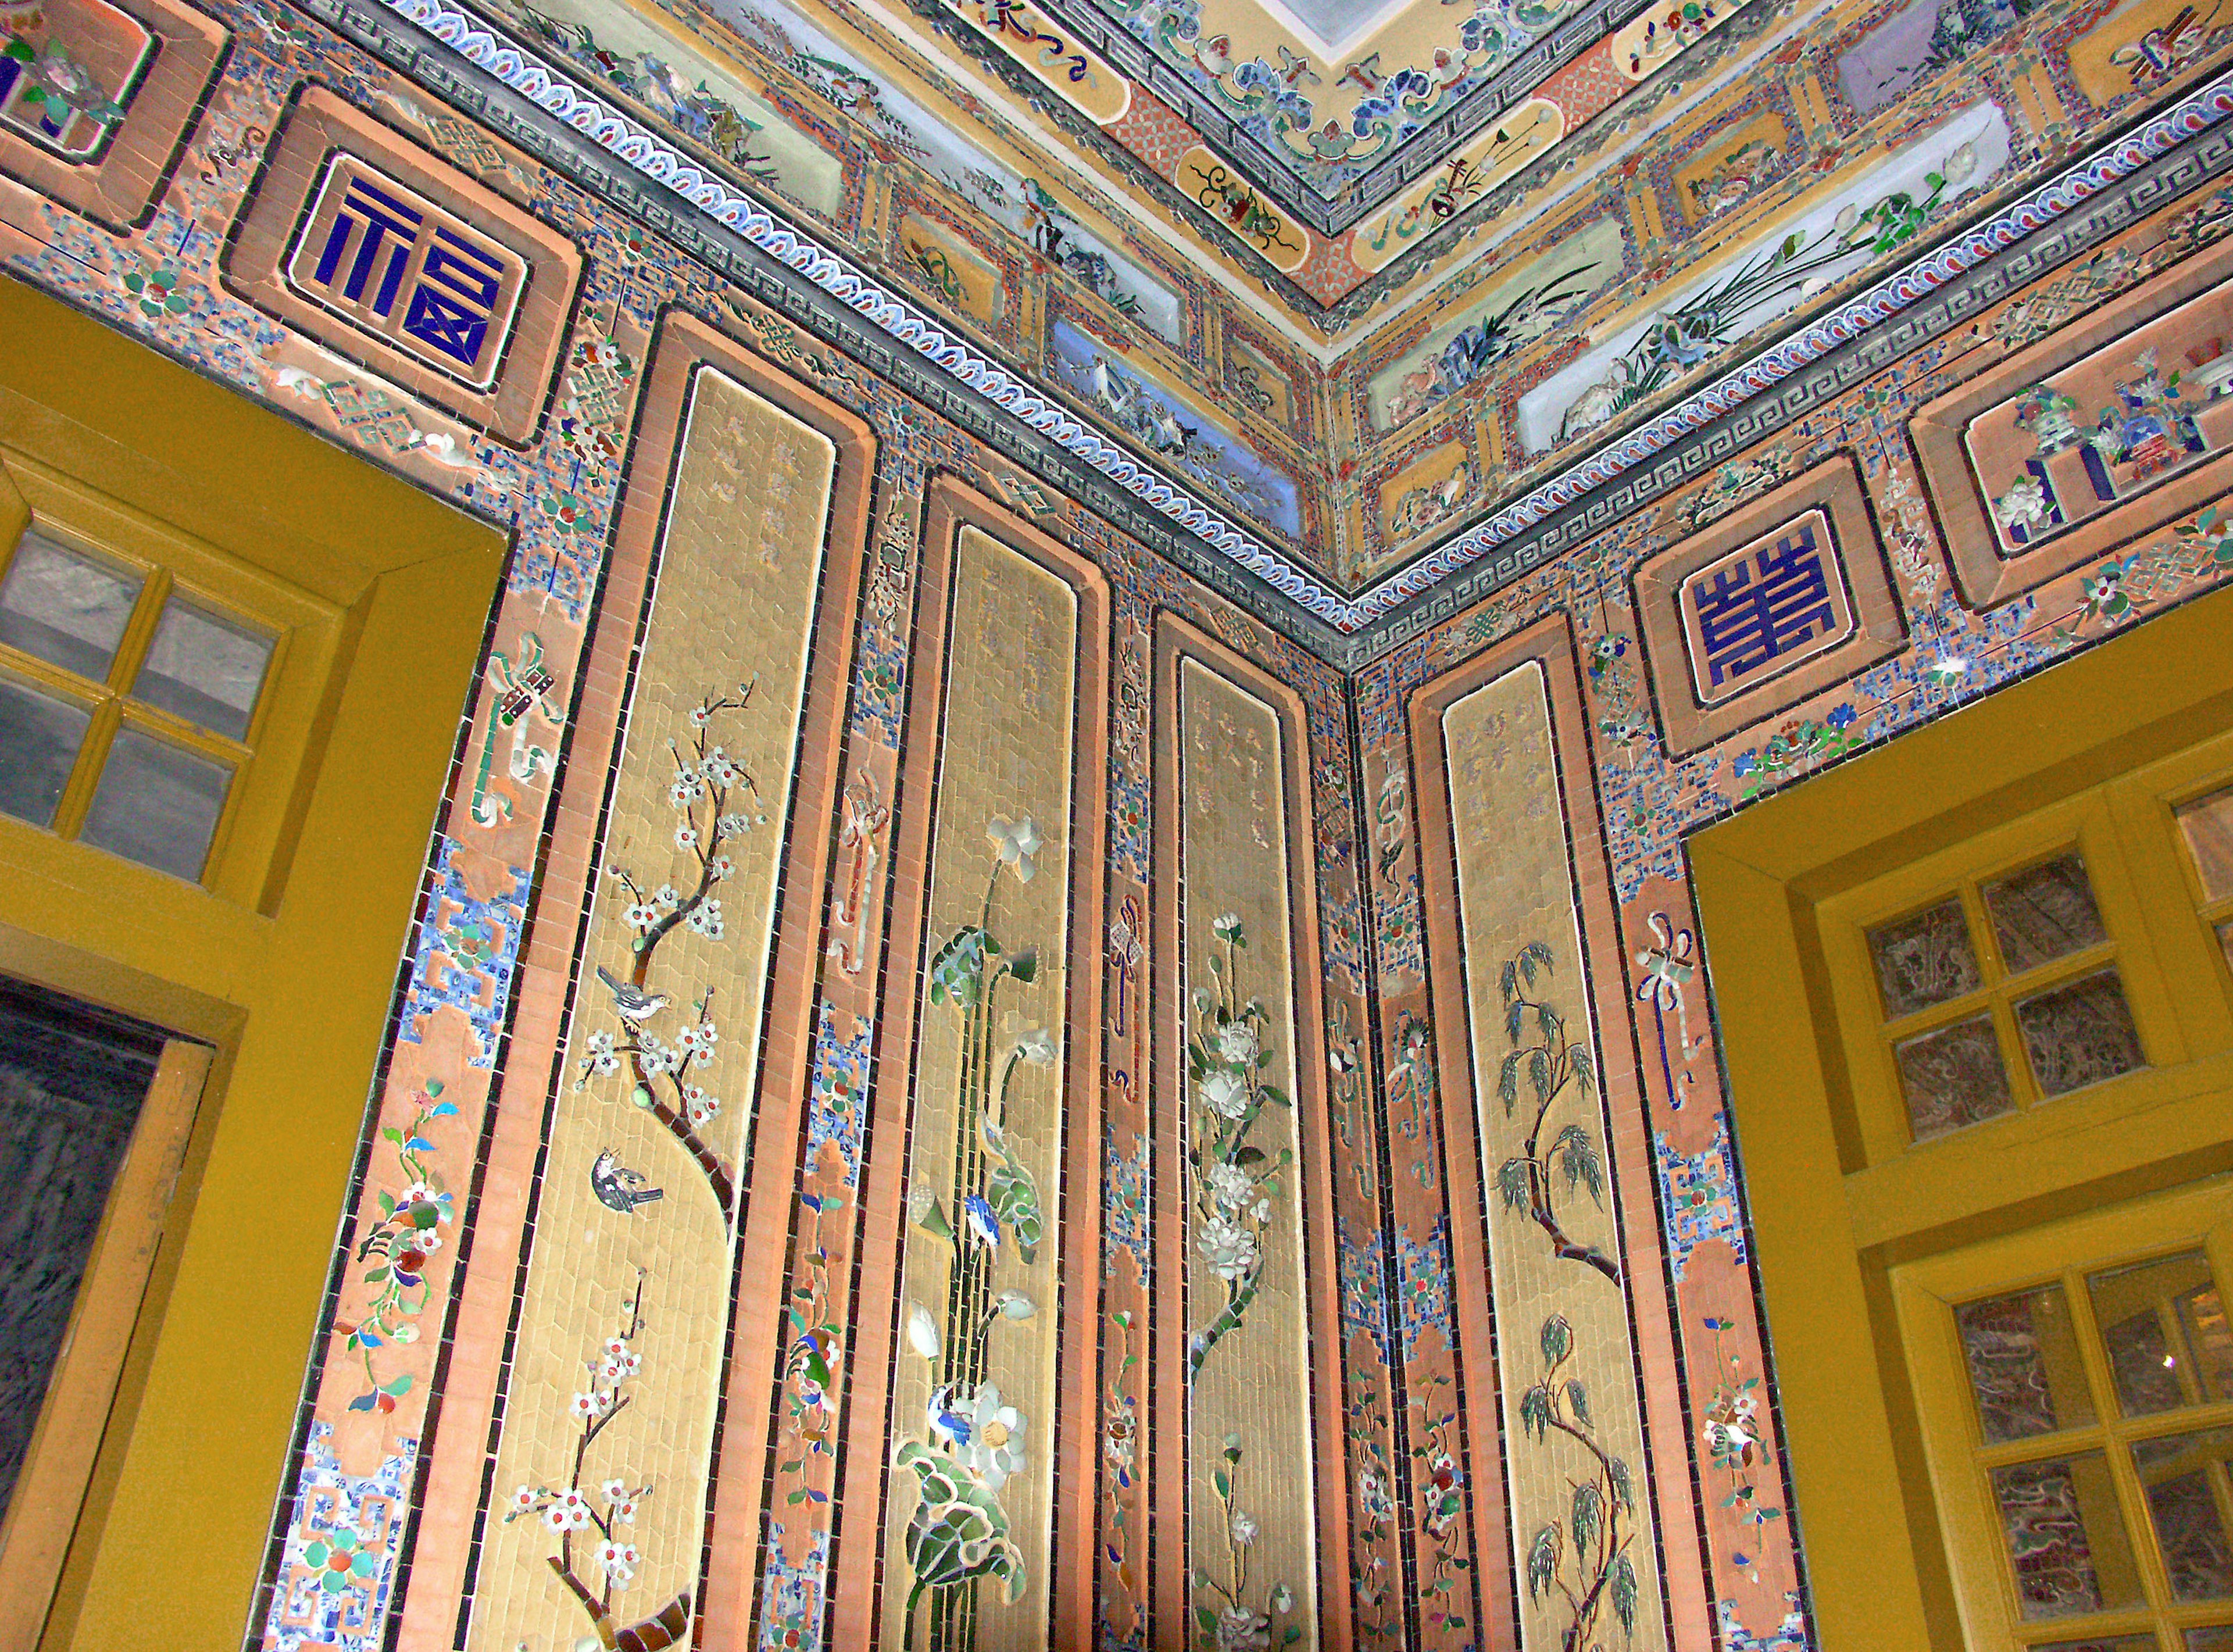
column 631, row 1000
column 618, row 1187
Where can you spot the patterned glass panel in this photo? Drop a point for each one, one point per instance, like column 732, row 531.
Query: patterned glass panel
column 2211, row 1638
column 64, row 607
column 2025, row 1371
column 2207, row 824
column 2225, row 940
column 1925, row 959
column 2066, row 1540
column 39, row 738
column 1953, row 1076
column 2103, row 1644
column 2185, row 1478
column 2163, row 1325
column 2044, row 912
column 2080, row 1033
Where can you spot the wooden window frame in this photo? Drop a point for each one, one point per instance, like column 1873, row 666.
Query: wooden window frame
column 285, row 963
column 1832, row 1212
column 1926, row 1293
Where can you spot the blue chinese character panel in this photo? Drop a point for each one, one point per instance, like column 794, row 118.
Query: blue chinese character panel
column 1776, row 600
column 398, row 266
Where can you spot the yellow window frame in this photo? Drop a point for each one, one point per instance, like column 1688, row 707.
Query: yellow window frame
column 1838, row 1197
column 1960, row 1459
column 304, row 629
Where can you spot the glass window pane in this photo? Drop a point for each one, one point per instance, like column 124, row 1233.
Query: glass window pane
column 2079, row 1034
column 2211, row 1638
column 2025, row 1370
column 156, row 803
column 204, row 667
column 39, row 740
column 2225, row 940
column 2044, row 912
column 1925, row 959
column 2102, row 1644
column 2164, row 1327
column 2066, row 1541
column 2207, row 824
column 2185, row 1478
column 64, row 607
column 1953, row 1076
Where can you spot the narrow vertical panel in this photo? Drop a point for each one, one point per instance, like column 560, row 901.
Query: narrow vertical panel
column 1583, row 1548
column 969, row 1516
column 1251, row 1527
column 613, row 1374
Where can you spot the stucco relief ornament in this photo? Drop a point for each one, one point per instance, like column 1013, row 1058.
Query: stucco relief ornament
column 975, row 1439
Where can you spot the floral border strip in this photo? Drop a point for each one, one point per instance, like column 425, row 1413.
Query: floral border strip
column 496, row 54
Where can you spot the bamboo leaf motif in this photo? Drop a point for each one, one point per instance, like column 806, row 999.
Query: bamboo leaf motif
column 1578, row 1402
column 1622, row 1589
column 1557, row 1340
column 1588, row 1503
column 1551, row 1065
column 1543, row 1562
column 1512, row 1182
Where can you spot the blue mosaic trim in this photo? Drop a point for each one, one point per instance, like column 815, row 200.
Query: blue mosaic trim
column 468, row 951
column 497, row 56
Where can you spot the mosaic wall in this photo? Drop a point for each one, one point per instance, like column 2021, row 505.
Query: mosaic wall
column 990, row 1097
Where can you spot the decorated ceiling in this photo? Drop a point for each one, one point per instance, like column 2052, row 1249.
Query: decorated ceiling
column 1366, row 285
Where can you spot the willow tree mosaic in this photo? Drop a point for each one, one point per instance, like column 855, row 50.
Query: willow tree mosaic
column 1582, row 1542
column 969, row 1514
column 604, row 1448
column 1251, row 1538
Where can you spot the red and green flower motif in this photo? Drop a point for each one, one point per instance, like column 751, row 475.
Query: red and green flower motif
column 340, row 1560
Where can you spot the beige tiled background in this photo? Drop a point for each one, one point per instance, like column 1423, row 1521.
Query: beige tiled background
column 1515, row 886
column 1256, row 1381
column 734, row 601
column 1004, row 749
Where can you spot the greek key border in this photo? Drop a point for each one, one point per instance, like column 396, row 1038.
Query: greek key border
column 486, row 74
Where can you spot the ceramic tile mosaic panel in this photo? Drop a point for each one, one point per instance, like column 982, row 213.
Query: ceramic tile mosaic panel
column 1253, row 1541
column 1580, row 1498
column 967, row 1539
column 715, row 488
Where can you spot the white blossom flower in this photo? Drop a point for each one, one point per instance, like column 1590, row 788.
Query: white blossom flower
column 668, row 896
column 572, row 1509
column 722, row 865
column 1230, row 1185
column 701, row 1108
column 994, row 1449
column 1244, row 1528
column 619, row 1560
column 1239, row 1628
column 1227, row 926
column 686, row 835
column 1237, row 1043
column 705, row 918
column 1019, row 843
column 641, row 916
column 1037, row 1047
column 1848, row 219
column 624, row 1511
column 1229, row 1248
column 523, row 1500
column 1283, row 1600
column 1961, row 166
column 701, row 715
column 730, row 825
column 686, row 789
column 1014, row 1305
column 1224, row 1095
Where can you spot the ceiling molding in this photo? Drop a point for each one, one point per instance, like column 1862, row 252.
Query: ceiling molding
column 1770, row 386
